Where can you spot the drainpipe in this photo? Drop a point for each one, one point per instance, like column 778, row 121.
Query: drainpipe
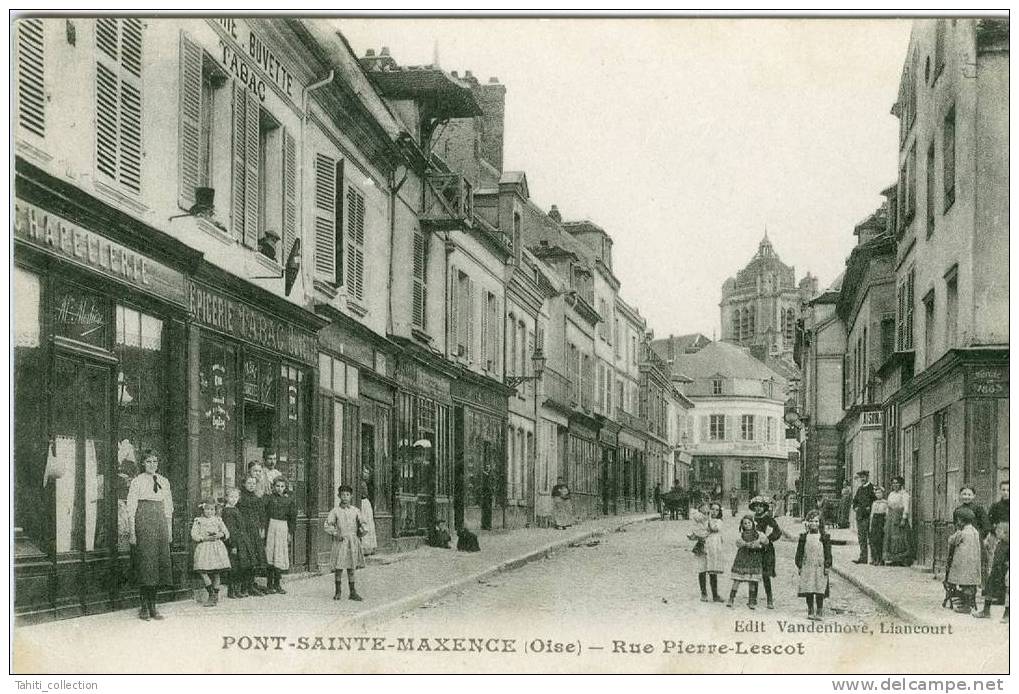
column 304, row 122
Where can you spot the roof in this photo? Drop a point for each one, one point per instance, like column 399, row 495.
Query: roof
column 723, row 358
column 689, row 343
column 452, row 97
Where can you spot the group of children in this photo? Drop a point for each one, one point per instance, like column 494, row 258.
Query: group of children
column 251, row 537
column 754, row 561
column 978, row 555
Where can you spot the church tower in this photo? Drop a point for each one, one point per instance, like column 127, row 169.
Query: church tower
column 761, row 304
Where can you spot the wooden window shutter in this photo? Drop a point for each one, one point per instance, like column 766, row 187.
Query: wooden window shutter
column 497, row 341
column 252, row 114
column 31, row 84
column 190, row 124
column 470, row 319
column 485, row 351
column 355, row 243
column 119, row 101
column 324, row 216
column 289, row 194
column 240, row 104
column 452, row 334
column 705, row 424
column 339, row 219
column 419, row 279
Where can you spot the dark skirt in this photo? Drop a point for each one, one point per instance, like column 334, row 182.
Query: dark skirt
column 249, row 553
column 995, row 588
column 898, row 546
column 768, row 560
column 152, row 551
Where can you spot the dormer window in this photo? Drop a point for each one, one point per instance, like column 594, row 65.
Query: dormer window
column 716, row 386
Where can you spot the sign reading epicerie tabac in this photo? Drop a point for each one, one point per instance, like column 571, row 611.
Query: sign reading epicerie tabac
column 251, row 61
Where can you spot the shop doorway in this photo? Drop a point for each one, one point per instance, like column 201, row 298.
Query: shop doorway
column 259, row 426
column 84, row 497
column 459, row 486
column 368, row 461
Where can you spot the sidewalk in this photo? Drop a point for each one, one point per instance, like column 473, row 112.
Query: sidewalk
column 910, row 593
column 390, row 584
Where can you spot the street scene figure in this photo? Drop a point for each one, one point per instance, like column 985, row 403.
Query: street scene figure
column 209, row 533
column 562, row 505
column 747, row 567
column 499, row 316
column 862, row 502
column 150, row 509
column 346, row 527
column 814, row 562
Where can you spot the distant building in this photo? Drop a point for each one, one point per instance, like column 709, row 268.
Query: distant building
column 738, row 440
column 761, row 304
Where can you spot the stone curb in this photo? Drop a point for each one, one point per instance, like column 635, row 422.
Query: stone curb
column 411, row 602
column 867, row 589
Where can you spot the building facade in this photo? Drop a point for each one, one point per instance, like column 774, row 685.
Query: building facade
column 947, row 381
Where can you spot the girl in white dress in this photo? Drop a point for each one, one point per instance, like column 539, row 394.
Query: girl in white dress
column 346, row 526
column 208, row 531
column 813, row 559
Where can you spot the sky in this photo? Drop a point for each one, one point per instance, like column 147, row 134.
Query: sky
column 685, row 138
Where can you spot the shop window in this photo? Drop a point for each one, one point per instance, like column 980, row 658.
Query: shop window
column 79, row 315
column 30, row 432
column 141, row 403
column 218, row 466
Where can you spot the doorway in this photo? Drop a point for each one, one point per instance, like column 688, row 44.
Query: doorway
column 78, row 465
column 459, row 487
column 368, row 461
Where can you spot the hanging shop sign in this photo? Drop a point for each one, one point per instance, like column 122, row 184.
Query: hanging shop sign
column 68, row 241
column 479, row 396
column 227, row 315
column 413, row 377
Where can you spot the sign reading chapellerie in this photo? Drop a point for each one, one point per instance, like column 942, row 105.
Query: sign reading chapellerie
column 69, row 241
column 235, row 318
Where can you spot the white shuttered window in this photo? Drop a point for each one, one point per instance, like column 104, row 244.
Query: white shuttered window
column 119, row 101
column 355, row 244
column 31, row 88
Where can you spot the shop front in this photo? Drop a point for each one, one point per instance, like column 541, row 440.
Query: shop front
column 480, row 416
column 251, row 367
column 355, row 415
column 423, row 451
column 633, row 471
column 953, row 430
column 608, row 440
column 98, row 379
column 583, row 462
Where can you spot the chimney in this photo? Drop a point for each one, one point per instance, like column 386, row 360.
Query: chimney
column 492, row 98
column 385, row 52
column 554, row 214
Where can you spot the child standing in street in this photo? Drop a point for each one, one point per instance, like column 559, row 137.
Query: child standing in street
column 698, row 535
column 813, row 560
column 345, row 525
column 746, row 568
column 878, row 513
column 243, row 549
column 714, row 559
column 964, row 573
column 281, row 512
column 208, row 532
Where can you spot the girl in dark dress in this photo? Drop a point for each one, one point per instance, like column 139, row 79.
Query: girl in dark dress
column 768, row 527
column 244, row 549
column 252, row 508
column 746, row 568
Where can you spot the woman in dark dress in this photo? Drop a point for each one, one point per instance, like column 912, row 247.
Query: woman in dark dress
column 150, row 514
column 562, row 505
column 767, row 526
column 253, row 517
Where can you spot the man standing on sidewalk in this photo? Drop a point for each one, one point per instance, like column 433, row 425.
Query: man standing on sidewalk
column 862, row 502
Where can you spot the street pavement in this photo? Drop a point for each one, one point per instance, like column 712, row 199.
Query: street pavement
column 621, row 601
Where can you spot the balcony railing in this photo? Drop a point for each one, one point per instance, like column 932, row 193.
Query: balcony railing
column 558, row 389
column 449, row 201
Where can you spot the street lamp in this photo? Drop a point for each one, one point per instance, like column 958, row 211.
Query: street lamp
column 537, row 366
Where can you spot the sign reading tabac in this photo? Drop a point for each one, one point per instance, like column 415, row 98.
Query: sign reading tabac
column 238, row 319
column 69, row 241
column 253, row 62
